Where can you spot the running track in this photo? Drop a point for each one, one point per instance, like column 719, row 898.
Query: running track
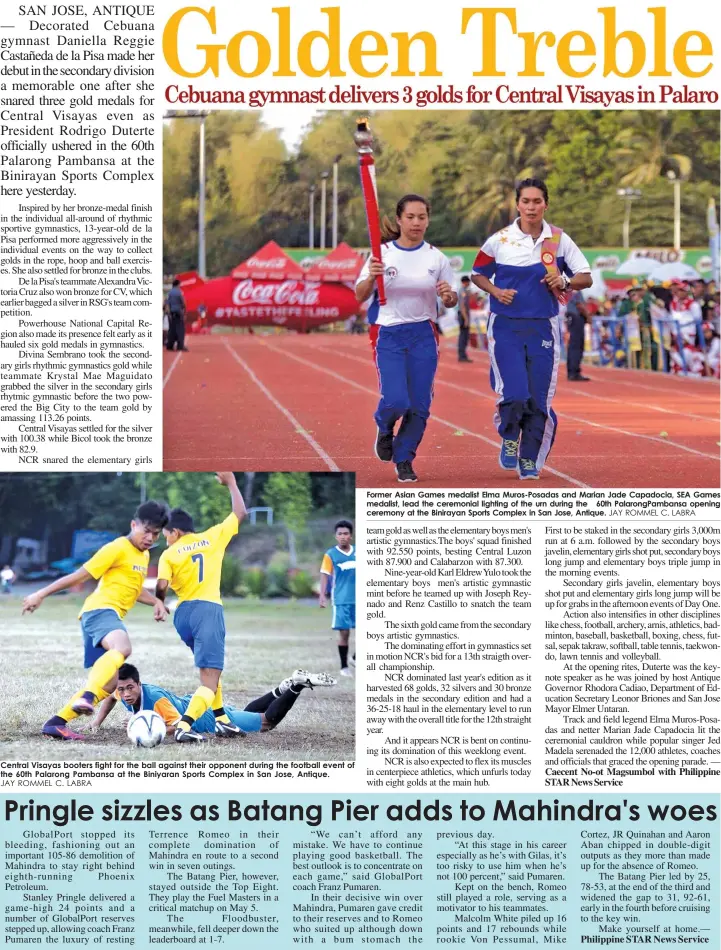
column 305, row 403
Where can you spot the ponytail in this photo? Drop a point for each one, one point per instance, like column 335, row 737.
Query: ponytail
column 388, row 231
column 391, row 232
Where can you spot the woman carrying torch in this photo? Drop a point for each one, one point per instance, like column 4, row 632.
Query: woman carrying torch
column 404, row 276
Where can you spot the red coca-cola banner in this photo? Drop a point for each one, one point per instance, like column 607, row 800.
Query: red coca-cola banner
column 293, row 304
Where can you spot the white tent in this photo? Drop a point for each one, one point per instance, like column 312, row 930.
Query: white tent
column 674, row 271
column 636, row 267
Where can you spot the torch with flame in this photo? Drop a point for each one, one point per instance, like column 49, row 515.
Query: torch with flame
column 363, row 139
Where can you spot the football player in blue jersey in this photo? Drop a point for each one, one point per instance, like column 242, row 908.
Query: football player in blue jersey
column 337, row 576
column 260, row 715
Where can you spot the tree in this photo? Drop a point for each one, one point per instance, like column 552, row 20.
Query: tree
column 493, row 156
column 466, row 163
column 647, row 147
column 245, row 164
column 199, row 493
column 581, row 180
column 289, row 495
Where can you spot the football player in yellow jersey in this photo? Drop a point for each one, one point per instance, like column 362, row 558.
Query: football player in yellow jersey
column 191, row 565
column 120, row 568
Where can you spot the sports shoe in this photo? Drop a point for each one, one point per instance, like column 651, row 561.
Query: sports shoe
column 60, row 732
column 187, row 735
column 580, row 378
column 383, row 446
column 508, row 459
column 83, row 707
column 304, row 678
column 527, row 469
column 405, row 473
column 227, row 729
column 346, row 671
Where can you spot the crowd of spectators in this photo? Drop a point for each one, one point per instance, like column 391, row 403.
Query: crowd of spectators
column 671, row 327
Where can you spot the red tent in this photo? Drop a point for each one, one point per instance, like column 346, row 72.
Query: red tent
column 269, row 263
column 342, row 265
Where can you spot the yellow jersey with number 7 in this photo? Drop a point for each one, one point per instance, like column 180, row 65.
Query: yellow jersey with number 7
column 193, row 564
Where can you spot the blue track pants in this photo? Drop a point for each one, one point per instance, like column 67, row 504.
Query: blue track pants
column 525, row 354
column 406, row 357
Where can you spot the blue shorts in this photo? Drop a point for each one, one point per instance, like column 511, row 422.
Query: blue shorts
column 343, row 617
column 96, row 625
column 247, row 721
column 201, row 625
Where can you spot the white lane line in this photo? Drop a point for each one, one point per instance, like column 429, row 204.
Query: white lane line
column 433, row 418
column 598, row 425
column 564, row 415
column 646, row 405
column 677, row 389
column 706, row 385
column 234, row 460
column 656, row 374
column 170, row 371
column 318, row 449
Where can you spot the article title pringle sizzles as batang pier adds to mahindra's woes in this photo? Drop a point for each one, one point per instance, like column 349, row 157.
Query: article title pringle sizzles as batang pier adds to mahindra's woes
column 496, row 45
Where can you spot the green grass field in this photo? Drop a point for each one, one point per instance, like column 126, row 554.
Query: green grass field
column 42, row 668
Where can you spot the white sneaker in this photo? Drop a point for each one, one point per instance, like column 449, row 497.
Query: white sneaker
column 304, row 678
column 228, row 729
column 346, row 671
column 188, row 735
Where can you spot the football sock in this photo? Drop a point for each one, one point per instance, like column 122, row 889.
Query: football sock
column 201, row 699
column 217, row 705
column 67, row 713
column 57, row 720
column 102, row 672
column 343, row 652
column 260, row 704
column 281, row 705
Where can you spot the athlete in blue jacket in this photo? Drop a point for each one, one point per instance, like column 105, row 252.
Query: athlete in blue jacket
column 337, row 573
column 402, row 331
column 532, row 264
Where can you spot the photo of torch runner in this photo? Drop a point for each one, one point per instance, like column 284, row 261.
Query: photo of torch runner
column 324, row 295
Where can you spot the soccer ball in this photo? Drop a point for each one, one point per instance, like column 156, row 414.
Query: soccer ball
column 146, row 728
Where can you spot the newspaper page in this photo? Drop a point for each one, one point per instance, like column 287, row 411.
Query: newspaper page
column 370, row 353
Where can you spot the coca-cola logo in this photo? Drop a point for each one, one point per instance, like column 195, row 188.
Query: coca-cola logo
column 287, row 292
column 272, row 263
column 335, row 265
